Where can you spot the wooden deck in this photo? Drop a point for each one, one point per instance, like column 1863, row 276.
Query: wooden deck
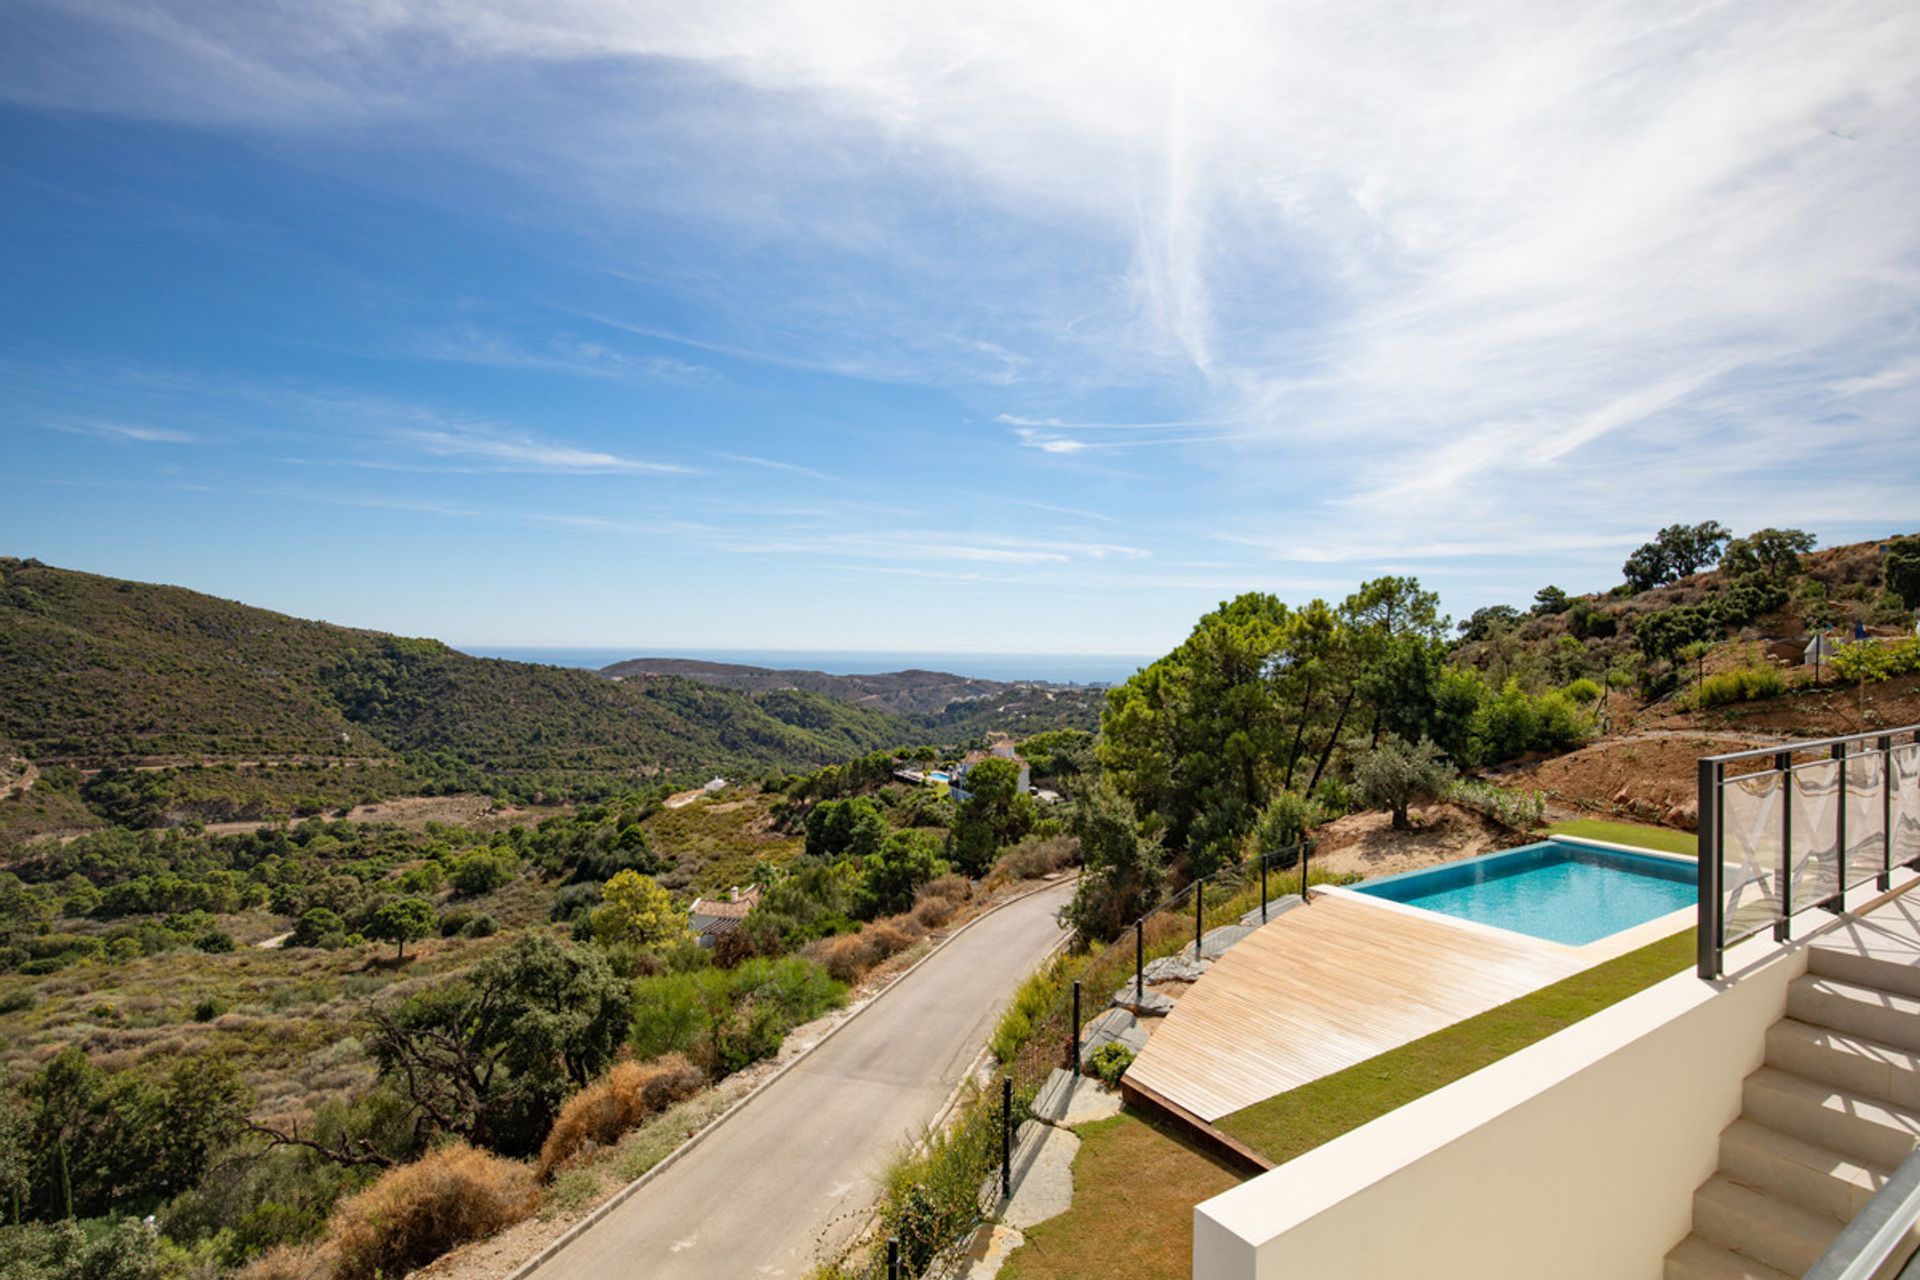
column 1329, row 985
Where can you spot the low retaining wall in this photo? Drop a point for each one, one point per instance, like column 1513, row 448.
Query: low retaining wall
column 1575, row 1158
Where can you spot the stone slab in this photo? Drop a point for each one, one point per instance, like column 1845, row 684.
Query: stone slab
column 990, row 1250
column 1115, row 1026
column 1276, row 908
column 1045, row 1188
column 1150, row 1002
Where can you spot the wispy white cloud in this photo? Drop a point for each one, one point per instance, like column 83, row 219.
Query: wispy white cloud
column 528, row 453
column 133, row 432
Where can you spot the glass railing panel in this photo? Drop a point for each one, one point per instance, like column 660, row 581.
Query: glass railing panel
column 1866, row 816
column 1750, row 846
column 1816, row 833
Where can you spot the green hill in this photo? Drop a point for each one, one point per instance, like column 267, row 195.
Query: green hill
column 96, row 670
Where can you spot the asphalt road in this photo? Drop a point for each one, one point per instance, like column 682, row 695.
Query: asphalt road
column 797, row 1167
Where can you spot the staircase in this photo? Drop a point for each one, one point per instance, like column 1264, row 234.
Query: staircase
column 1834, row 1109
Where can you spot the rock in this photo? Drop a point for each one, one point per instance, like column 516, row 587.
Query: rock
column 1150, row 1002
column 1684, row 815
column 1115, row 1026
column 989, row 1251
column 1180, row 968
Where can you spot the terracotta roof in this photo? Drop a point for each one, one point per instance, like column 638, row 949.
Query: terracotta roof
column 725, row 909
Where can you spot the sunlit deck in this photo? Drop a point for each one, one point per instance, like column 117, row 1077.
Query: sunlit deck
column 1330, row 985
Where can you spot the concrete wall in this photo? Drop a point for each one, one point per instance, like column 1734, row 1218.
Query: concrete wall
column 1575, row 1158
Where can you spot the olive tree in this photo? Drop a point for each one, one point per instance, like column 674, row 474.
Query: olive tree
column 1397, row 775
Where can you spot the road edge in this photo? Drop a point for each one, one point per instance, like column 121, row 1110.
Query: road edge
column 614, row 1201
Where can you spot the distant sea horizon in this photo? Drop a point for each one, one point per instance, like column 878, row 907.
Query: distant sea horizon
column 1056, row 668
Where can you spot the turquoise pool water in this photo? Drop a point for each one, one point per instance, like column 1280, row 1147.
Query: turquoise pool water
column 1558, row 890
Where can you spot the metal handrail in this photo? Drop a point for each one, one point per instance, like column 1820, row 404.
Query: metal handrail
column 1865, row 1244
column 1713, row 939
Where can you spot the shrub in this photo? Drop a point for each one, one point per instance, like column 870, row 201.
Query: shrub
column 891, row 937
column 1035, row 857
column 954, row 888
column 932, row 911
column 1521, row 810
column 481, row 926
column 417, row 1212
column 599, row 1114
column 1583, row 691
column 1109, row 1062
column 725, row 1018
column 214, row 942
column 846, row 957
column 1741, row 684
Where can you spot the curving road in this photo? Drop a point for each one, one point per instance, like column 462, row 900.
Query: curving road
column 797, row 1167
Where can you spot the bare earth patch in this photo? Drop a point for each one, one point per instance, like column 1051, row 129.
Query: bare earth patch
column 415, row 812
column 1366, row 845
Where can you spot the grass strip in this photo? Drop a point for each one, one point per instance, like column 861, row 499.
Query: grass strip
column 1663, row 839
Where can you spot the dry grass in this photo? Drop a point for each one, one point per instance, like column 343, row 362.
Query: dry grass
column 600, row 1114
column 417, row 1212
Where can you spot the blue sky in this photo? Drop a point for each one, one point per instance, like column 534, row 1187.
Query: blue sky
column 1011, row 327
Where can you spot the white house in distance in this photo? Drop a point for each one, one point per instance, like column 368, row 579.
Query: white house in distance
column 711, row 917
column 996, row 750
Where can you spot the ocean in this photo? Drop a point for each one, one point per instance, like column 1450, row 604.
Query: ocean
column 1059, row 668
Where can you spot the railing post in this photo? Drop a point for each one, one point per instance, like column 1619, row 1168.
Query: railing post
column 1306, row 851
column 1076, row 1026
column 1783, row 929
column 893, row 1258
column 1263, row 888
column 1712, row 902
column 1006, row 1136
column 1199, row 902
column 1139, row 961
column 1838, row 902
column 1886, row 812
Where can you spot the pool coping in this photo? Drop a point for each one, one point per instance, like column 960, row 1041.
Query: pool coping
column 1598, row 951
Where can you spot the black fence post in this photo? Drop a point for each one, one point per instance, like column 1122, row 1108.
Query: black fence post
column 1006, row 1137
column 1263, row 888
column 1886, row 812
column 1783, row 930
column 1838, row 902
column 1139, row 961
column 1199, row 926
column 1712, row 904
column 1306, row 851
column 893, row 1258
column 1076, row 1026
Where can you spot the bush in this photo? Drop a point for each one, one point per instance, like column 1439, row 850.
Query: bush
column 1521, row 810
column 932, row 911
column 1742, row 684
column 1109, row 1062
column 599, row 1114
column 214, row 942
column 1583, row 691
column 846, row 957
column 418, row 1211
column 1035, row 857
column 724, row 1018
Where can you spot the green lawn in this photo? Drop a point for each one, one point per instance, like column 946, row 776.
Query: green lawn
column 1663, row 839
column 1295, row 1122
column 1135, row 1182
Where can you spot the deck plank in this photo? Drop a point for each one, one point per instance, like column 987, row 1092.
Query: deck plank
column 1320, row 989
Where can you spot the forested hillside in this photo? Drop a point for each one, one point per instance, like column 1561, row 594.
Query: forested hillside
column 97, row 671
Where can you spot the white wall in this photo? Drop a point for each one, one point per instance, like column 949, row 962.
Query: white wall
column 1575, row 1158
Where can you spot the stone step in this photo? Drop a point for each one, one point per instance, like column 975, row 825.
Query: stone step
column 1851, row 1062
column 1886, row 1016
column 1868, row 1129
column 1814, row 1177
column 1846, row 965
column 1777, row 1232
column 1697, row 1258
column 1115, row 1026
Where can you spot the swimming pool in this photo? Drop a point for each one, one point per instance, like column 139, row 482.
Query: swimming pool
column 1559, row 890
